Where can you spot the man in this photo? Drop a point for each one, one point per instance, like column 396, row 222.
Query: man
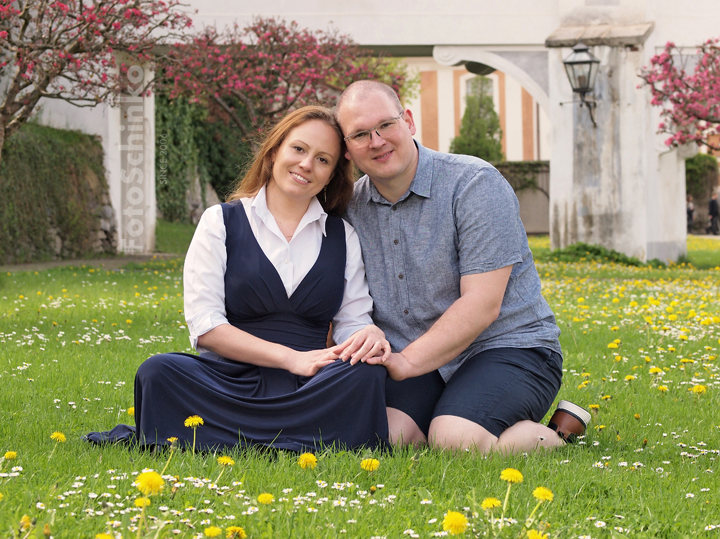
column 714, row 214
column 476, row 360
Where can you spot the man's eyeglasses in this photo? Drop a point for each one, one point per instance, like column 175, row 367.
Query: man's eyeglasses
column 361, row 139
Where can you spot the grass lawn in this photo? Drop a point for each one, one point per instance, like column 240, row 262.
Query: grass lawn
column 173, row 237
column 640, row 348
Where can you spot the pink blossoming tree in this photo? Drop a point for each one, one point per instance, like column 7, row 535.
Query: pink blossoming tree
column 690, row 101
column 68, row 50
column 254, row 75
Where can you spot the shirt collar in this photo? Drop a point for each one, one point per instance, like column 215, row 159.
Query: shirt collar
column 422, row 182
column 314, row 212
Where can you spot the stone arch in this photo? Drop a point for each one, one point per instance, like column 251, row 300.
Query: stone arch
column 529, row 68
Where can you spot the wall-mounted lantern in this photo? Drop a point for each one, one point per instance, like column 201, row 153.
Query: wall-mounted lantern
column 581, row 68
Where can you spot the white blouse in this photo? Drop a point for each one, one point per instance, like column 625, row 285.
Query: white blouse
column 206, row 262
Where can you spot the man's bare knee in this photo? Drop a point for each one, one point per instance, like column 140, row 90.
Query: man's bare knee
column 528, row 436
column 452, row 432
column 403, row 430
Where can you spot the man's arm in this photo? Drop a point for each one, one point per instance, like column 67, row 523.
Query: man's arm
column 478, row 306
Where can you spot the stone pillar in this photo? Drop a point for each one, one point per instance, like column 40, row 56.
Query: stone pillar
column 613, row 184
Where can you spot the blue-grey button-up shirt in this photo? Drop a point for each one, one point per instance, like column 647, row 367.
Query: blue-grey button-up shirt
column 459, row 217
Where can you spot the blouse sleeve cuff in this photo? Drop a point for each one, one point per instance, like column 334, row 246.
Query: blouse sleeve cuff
column 343, row 331
column 203, row 322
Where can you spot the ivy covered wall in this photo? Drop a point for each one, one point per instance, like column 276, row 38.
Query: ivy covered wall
column 193, row 147
column 53, row 197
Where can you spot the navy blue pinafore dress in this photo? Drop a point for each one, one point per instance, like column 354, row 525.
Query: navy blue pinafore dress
column 342, row 406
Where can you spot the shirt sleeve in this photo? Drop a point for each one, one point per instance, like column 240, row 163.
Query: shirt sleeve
column 487, row 216
column 356, row 308
column 204, row 275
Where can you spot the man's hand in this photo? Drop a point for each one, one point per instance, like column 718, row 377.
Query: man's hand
column 397, row 365
column 369, row 342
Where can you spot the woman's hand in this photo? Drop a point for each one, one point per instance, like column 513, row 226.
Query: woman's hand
column 364, row 344
column 309, row 363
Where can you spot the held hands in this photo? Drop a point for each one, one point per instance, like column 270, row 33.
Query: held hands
column 366, row 345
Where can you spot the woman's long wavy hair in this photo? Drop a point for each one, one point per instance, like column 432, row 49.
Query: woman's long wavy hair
column 340, row 188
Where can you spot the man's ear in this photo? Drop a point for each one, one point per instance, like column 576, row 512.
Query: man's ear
column 348, row 156
column 410, row 121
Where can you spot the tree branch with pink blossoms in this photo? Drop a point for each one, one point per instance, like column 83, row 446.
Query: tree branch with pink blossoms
column 69, row 50
column 254, row 75
column 690, row 101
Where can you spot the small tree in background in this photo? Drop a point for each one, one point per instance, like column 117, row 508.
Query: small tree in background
column 690, row 101
column 480, row 133
column 255, row 75
column 66, row 50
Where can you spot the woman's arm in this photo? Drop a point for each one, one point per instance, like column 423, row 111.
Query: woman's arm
column 352, row 325
column 233, row 343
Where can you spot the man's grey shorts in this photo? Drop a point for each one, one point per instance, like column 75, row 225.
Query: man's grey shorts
column 495, row 389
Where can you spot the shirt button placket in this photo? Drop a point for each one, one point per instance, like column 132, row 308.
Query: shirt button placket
column 398, row 258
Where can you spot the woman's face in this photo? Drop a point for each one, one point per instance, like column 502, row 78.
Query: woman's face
column 305, row 162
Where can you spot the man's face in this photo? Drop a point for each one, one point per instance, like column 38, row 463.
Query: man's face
column 383, row 159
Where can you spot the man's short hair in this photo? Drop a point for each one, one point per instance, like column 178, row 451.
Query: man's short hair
column 364, row 87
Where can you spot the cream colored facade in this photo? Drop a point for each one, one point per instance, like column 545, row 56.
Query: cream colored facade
column 440, row 105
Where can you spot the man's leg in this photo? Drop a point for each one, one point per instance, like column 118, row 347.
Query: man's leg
column 410, row 406
column 403, row 429
column 495, row 400
column 457, row 433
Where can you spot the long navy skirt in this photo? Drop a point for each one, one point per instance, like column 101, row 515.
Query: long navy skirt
column 342, row 406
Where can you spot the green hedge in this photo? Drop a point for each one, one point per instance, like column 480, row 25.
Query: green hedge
column 50, row 179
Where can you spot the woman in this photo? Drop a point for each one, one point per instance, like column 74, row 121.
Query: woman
column 264, row 276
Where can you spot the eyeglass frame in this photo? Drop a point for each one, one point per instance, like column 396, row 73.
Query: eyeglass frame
column 369, row 131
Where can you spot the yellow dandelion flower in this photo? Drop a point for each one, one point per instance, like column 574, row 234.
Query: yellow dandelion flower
column 543, row 494
column 194, row 421
column 629, row 378
column 455, row 523
column 149, row 483
column 266, row 498
column 58, row 437
column 235, row 532
column 131, row 411
column 490, row 503
column 637, row 416
column 511, row 475
column 594, row 407
column 25, row 522
column 534, row 534
column 662, row 389
column 655, row 370
column 10, row 455
column 612, row 345
column 698, row 389
column 606, row 397
column 142, row 502
column 1, row 496
column 103, row 536
column 225, row 461
column 370, row 465
column 307, row 460
column 212, row 531
column 172, row 439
